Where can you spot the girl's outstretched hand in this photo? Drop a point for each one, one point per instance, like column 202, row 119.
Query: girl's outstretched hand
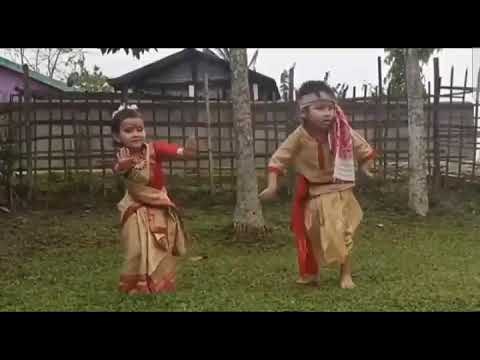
column 125, row 160
column 192, row 144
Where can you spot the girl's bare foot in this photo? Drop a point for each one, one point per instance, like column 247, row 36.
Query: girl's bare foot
column 346, row 282
column 308, row 280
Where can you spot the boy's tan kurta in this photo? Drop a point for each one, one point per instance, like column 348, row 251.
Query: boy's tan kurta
column 331, row 212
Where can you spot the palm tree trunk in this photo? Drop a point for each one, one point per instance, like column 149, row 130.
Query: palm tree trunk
column 248, row 218
column 418, row 191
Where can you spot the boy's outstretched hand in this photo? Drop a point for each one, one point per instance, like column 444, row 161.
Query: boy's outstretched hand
column 367, row 167
column 269, row 193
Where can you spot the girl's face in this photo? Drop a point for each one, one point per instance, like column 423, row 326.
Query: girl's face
column 132, row 133
column 320, row 114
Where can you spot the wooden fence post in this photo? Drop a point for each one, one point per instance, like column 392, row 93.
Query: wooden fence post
column 209, row 136
column 475, row 130
column 28, row 131
column 291, row 123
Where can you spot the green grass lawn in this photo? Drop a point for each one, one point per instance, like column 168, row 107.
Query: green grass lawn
column 70, row 260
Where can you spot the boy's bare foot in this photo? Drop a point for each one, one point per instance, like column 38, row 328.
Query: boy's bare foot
column 346, row 282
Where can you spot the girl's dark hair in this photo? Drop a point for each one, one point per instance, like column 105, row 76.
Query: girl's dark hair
column 119, row 117
column 122, row 115
column 315, row 86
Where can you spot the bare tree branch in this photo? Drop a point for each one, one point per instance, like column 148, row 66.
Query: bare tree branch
column 52, row 62
column 55, row 62
column 37, row 60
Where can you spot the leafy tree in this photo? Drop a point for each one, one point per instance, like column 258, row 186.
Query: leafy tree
column 396, row 75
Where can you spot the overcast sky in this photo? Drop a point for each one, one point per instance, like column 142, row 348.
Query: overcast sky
column 352, row 66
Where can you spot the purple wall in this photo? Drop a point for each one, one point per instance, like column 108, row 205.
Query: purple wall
column 10, row 79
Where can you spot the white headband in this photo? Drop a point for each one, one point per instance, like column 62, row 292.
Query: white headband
column 123, row 107
column 309, row 99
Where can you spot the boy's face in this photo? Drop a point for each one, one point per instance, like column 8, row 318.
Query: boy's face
column 132, row 133
column 320, row 114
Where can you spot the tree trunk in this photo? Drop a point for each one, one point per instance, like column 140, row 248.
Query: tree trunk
column 248, row 217
column 22, row 56
column 418, row 192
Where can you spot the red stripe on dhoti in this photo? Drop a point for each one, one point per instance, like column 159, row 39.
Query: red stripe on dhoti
column 306, row 260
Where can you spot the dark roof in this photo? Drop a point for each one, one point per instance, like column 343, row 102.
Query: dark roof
column 34, row 75
column 136, row 75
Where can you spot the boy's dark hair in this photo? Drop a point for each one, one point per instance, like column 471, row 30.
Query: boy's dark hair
column 315, row 86
column 119, row 117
